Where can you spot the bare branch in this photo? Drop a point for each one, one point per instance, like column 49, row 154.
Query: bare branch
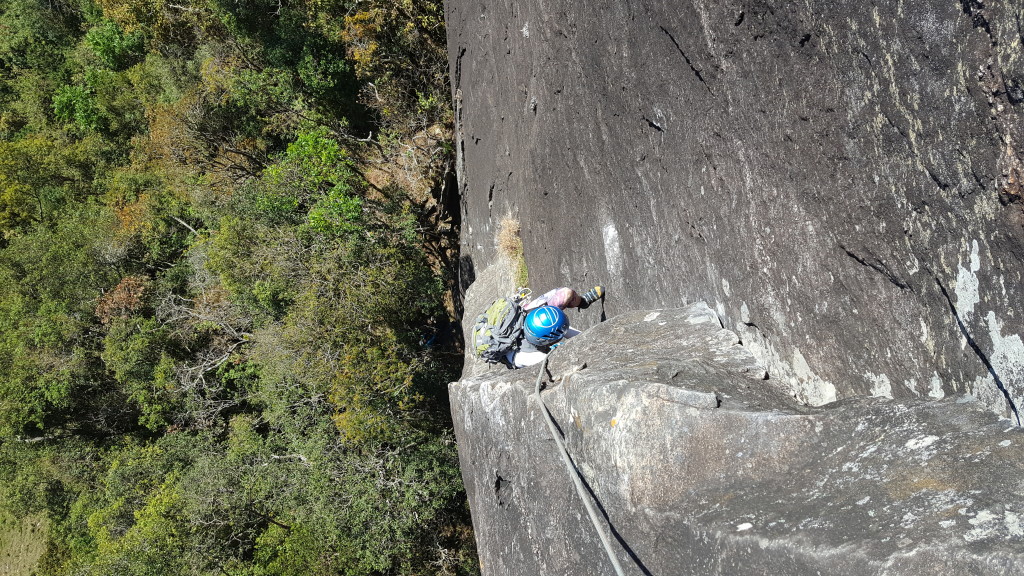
column 185, row 224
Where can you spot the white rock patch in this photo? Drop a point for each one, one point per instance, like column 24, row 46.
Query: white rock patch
column 881, row 387
column 921, row 442
column 809, row 387
column 612, row 250
column 1007, row 351
column 984, row 526
column 935, row 391
column 1013, row 525
column 967, row 284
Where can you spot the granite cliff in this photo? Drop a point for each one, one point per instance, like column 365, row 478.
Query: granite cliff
column 842, row 185
column 841, row 182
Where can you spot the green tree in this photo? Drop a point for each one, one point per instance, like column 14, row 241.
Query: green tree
column 115, row 48
column 135, row 351
column 212, row 293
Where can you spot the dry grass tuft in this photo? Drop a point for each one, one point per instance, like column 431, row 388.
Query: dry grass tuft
column 509, row 241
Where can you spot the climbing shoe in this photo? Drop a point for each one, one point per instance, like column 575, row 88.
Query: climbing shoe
column 590, row 296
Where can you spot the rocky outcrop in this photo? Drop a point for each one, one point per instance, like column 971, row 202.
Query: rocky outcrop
column 840, row 181
column 703, row 467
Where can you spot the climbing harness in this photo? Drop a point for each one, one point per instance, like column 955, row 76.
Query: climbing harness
column 574, row 473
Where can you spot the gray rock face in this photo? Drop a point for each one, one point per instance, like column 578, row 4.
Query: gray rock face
column 703, row 467
column 841, row 181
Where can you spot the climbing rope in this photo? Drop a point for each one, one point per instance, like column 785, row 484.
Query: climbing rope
column 574, row 473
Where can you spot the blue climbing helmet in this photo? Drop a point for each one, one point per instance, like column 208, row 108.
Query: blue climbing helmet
column 545, row 325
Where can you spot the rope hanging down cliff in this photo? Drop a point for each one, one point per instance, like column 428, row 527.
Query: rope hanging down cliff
column 574, row 473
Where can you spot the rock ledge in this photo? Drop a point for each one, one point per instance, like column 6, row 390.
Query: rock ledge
column 704, row 467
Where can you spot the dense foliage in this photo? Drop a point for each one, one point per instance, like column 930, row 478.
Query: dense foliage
column 221, row 247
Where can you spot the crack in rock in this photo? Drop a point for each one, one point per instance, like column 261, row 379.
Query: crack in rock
column 880, row 267
column 693, row 68
column 1011, row 405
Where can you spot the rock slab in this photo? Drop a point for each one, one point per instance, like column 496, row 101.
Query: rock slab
column 840, row 181
column 703, row 467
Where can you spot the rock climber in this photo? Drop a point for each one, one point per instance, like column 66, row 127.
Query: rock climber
column 546, row 325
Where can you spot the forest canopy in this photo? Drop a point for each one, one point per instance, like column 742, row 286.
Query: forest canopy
column 225, row 266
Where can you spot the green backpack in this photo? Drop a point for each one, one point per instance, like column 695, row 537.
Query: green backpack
column 499, row 329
